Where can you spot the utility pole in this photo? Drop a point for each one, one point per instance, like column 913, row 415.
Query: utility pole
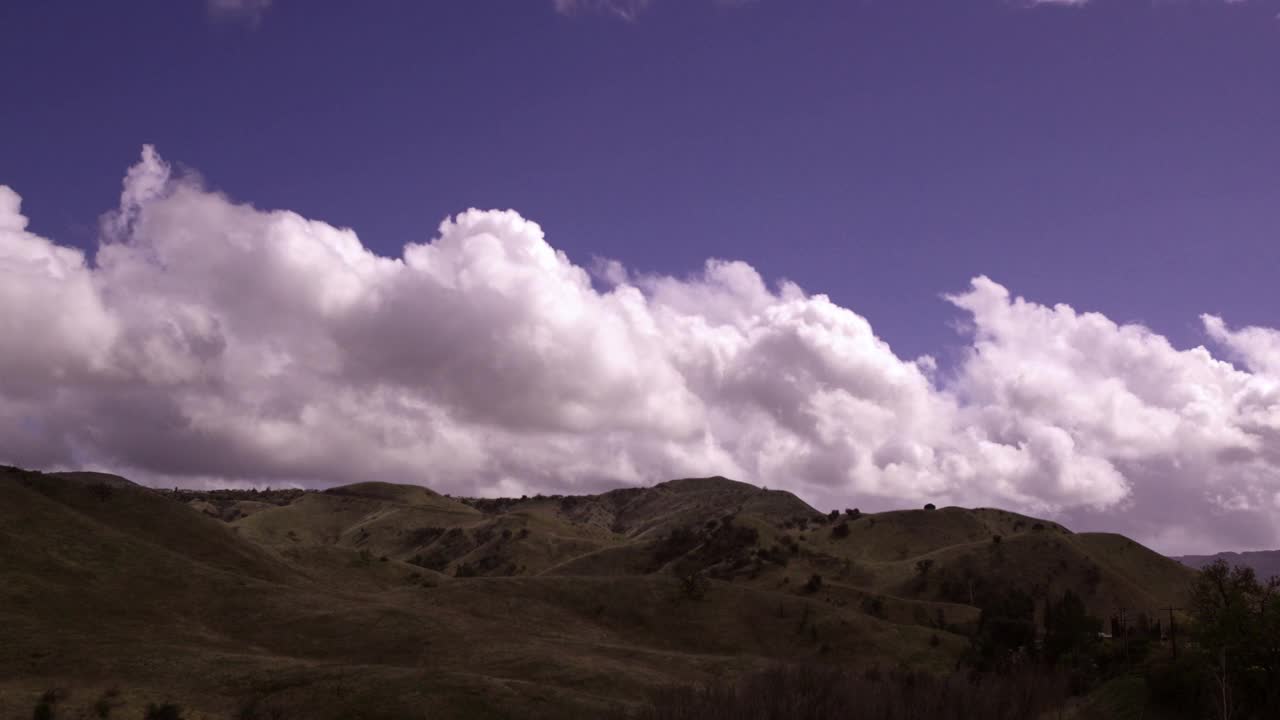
column 1173, row 631
column 1124, row 633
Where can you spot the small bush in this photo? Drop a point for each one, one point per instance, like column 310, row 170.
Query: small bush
column 103, row 706
column 873, row 605
column 840, row 531
column 44, row 709
column 814, row 584
column 101, row 490
column 256, row 709
column 165, row 711
column 694, row 586
column 676, row 543
column 930, row 506
column 423, row 536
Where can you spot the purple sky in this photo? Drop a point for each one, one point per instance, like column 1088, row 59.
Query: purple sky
column 1119, row 157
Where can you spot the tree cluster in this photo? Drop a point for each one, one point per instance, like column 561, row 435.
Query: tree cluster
column 1235, row 654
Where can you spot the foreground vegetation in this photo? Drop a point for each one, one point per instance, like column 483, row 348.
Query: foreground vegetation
column 1232, row 667
column 815, row 692
column 1227, row 667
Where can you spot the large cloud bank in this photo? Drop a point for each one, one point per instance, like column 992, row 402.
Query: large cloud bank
column 212, row 341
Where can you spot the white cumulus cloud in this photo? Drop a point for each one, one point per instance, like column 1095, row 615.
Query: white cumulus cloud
column 248, row 10
column 625, row 9
column 212, row 340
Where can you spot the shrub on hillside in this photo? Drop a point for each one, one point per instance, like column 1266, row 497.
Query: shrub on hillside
column 48, row 702
column 676, row 543
column 44, row 707
column 165, row 711
column 930, row 506
column 102, row 708
column 256, row 709
column 841, row 530
column 814, row 584
column 778, row 555
column 1092, row 577
column 101, row 490
column 694, row 585
column 491, row 506
column 873, row 605
column 483, row 535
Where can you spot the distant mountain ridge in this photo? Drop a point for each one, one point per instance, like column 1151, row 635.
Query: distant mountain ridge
column 1266, row 563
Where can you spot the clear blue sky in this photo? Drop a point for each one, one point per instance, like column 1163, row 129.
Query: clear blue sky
column 1122, row 156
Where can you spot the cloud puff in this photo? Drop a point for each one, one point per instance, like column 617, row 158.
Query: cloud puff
column 625, row 9
column 248, row 10
column 210, row 340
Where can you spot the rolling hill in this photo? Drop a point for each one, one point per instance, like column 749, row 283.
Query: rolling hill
column 376, row 600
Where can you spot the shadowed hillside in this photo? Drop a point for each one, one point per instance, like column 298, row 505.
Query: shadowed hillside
column 377, row 600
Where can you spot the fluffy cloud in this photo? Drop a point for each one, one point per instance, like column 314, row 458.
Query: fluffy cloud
column 210, row 340
column 625, row 9
column 249, row 10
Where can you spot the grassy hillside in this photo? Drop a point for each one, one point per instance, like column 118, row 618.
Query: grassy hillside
column 386, row 601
